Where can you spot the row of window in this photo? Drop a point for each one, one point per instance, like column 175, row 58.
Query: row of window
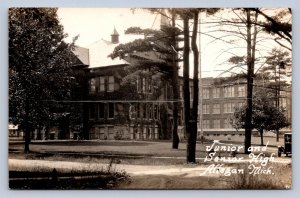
column 107, row 111
column 107, row 83
column 144, row 110
column 101, row 84
column 102, row 133
column 102, row 111
column 216, row 124
column 228, row 92
column 144, row 85
column 227, row 108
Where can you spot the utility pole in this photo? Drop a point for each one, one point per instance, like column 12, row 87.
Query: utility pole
column 200, row 86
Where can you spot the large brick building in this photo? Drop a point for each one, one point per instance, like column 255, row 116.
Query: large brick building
column 142, row 109
column 219, row 100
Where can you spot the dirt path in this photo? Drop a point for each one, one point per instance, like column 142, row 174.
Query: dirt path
column 144, row 176
column 133, row 170
column 141, row 176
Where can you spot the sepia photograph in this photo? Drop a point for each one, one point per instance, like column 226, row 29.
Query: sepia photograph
column 149, row 98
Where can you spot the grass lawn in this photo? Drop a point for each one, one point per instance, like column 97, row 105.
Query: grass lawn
column 157, row 155
column 128, row 152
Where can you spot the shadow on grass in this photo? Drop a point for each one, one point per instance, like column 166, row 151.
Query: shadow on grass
column 44, row 180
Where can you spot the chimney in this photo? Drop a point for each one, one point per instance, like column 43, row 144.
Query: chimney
column 115, row 36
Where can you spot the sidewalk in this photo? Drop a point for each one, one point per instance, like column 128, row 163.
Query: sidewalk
column 133, row 170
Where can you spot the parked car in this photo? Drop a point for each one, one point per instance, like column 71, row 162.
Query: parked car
column 287, row 147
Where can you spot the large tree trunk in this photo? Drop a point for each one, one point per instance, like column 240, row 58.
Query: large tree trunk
column 261, row 137
column 186, row 87
column 193, row 132
column 26, row 127
column 175, row 138
column 39, row 133
column 84, row 133
column 250, row 74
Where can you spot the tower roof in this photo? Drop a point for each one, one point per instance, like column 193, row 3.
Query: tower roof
column 115, row 32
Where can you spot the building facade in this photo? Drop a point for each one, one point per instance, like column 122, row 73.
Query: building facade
column 141, row 109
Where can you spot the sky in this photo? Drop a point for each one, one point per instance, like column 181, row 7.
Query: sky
column 93, row 24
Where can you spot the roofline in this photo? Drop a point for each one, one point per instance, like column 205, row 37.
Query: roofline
column 100, row 67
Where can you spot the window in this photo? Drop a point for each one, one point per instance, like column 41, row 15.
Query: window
column 144, row 85
column 92, row 85
column 241, row 91
column 102, row 83
column 239, row 104
column 92, row 133
column 97, row 136
column 102, row 133
column 149, row 85
column 155, row 112
column 144, row 110
column 282, row 102
column 138, row 85
column 150, row 110
column 180, row 91
column 205, row 93
column 229, row 91
column 138, row 110
column 216, row 108
column 228, row 107
column 111, row 110
column 216, row 124
column 205, row 109
column 205, row 124
column 216, row 92
column 100, row 110
column 227, row 124
column 110, row 132
column 111, row 83
column 92, row 111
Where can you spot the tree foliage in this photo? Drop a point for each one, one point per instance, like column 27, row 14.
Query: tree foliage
column 265, row 115
column 39, row 66
column 278, row 24
column 155, row 54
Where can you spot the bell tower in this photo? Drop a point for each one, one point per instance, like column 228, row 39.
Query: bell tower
column 115, row 36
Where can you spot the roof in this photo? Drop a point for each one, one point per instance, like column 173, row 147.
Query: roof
column 96, row 54
column 115, row 32
column 82, row 54
column 99, row 52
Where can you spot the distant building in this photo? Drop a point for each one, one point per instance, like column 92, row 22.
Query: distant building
column 219, row 100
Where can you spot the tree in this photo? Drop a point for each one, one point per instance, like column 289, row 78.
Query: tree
column 265, row 116
column 245, row 27
column 162, row 44
column 277, row 73
column 278, row 24
column 39, row 66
